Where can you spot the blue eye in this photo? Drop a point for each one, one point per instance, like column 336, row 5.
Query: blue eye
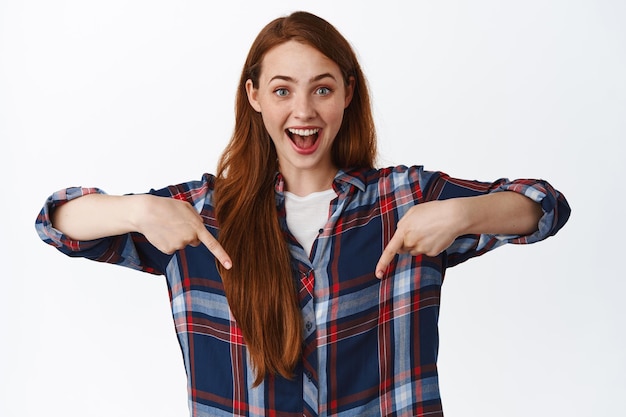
column 323, row 91
column 281, row 92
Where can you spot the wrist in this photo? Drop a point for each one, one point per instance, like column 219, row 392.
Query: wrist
column 462, row 214
column 135, row 206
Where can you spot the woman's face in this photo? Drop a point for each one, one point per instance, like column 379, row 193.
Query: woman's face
column 301, row 96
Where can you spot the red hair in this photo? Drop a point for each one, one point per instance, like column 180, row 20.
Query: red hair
column 260, row 287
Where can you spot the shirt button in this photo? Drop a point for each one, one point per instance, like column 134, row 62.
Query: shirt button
column 309, row 325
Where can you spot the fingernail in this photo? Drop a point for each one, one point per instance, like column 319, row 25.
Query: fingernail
column 379, row 274
column 228, row 264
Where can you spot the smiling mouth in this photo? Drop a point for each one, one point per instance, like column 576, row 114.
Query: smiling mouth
column 303, row 138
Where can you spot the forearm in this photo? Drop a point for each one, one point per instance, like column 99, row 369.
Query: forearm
column 95, row 216
column 507, row 213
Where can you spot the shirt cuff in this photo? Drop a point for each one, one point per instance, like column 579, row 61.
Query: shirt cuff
column 55, row 237
column 540, row 192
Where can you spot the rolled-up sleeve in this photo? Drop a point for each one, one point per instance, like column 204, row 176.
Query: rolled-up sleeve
column 556, row 210
column 54, row 237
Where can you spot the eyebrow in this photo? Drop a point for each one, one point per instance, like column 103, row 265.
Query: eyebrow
column 291, row 79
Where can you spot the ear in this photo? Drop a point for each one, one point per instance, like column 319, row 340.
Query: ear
column 349, row 91
column 253, row 96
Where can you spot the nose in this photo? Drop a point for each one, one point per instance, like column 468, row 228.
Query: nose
column 303, row 108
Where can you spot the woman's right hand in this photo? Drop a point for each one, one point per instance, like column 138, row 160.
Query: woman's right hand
column 171, row 224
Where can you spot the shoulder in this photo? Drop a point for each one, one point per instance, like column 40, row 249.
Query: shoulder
column 394, row 182
column 191, row 191
column 398, row 176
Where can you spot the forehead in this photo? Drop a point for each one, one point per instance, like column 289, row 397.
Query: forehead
column 298, row 61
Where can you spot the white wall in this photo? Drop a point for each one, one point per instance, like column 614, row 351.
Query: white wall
column 129, row 95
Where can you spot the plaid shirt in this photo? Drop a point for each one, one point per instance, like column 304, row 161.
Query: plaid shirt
column 369, row 345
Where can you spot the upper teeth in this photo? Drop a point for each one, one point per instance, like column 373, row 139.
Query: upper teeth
column 303, row 132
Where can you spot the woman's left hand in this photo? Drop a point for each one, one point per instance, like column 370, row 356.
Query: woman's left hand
column 430, row 228
column 427, row 228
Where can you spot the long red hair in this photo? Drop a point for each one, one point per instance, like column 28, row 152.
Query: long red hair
column 260, row 287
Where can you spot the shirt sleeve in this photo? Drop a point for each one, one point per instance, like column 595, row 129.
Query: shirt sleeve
column 556, row 210
column 131, row 250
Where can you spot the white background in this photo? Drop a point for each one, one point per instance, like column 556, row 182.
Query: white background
column 130, row 95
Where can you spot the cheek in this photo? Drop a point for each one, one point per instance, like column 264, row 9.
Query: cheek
column 334, row 115
column 274, row 124
column 271, row 119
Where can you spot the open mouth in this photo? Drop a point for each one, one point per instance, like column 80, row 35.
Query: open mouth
column 303, row 138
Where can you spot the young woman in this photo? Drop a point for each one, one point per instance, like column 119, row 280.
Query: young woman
column 303, row 280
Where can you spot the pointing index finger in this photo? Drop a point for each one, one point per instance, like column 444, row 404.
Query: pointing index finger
column 215, row 248
column 390, row 251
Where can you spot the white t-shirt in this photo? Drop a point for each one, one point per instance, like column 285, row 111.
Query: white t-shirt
column 307, row 215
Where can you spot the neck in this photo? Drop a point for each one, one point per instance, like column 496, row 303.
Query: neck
column 303, row 183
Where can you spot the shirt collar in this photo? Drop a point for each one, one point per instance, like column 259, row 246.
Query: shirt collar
column 355, row 177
